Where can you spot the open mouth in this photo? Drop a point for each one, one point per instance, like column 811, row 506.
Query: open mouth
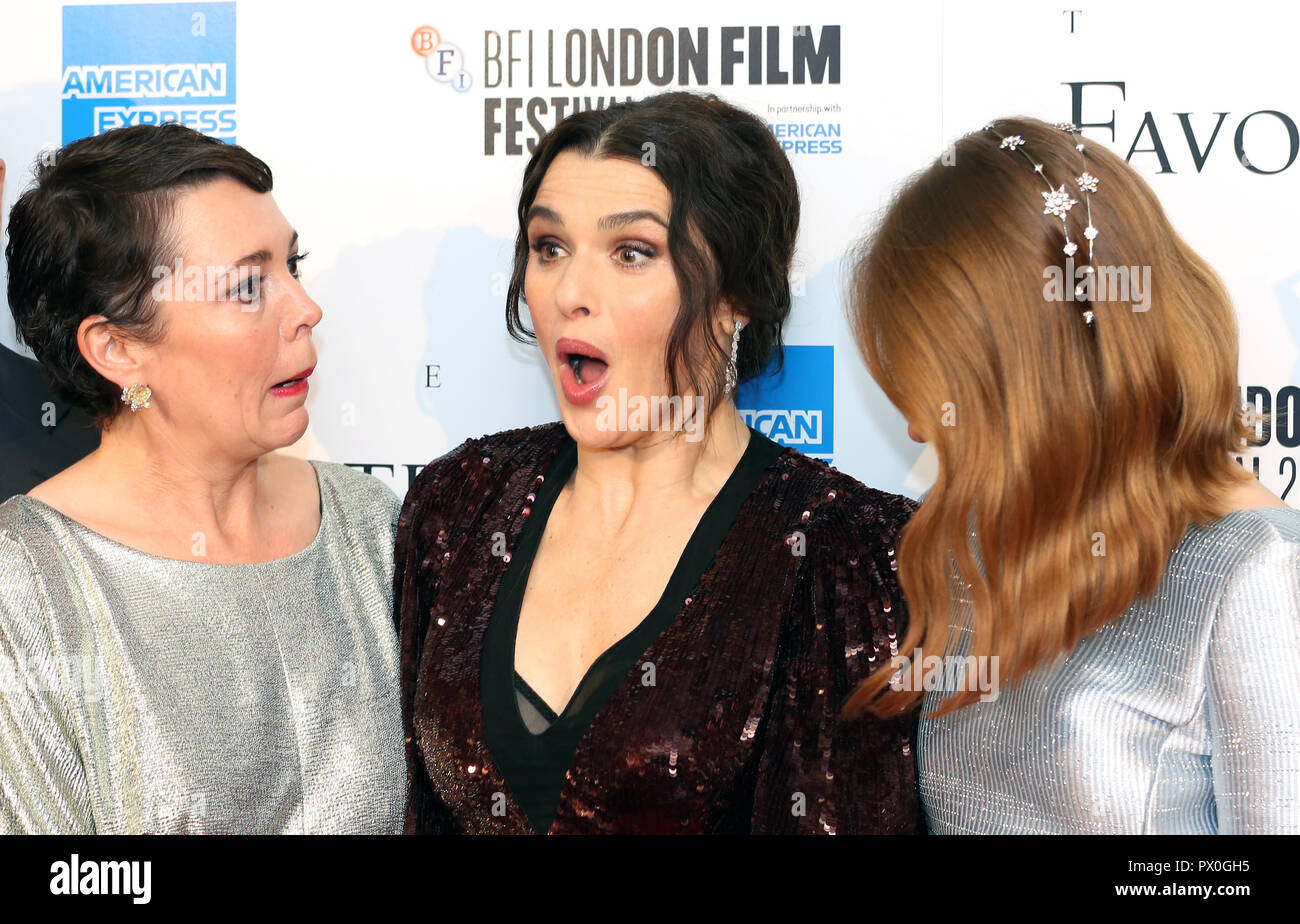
column 294, row 382
column 587, row 362
column 586, row 368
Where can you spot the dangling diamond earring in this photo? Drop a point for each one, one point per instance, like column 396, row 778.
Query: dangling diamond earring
column 735, row 351
column 136, row 395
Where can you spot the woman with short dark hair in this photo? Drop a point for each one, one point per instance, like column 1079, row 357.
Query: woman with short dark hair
column 195, row 631
column 644, row 618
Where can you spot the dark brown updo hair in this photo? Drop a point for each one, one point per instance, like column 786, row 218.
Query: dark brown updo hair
column 731, row 232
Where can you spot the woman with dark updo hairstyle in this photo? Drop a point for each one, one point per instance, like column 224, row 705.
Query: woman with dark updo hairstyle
column 644, row 617
column 195, row 630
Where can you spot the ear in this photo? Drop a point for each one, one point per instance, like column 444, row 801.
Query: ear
column 110, row 353
column 728, row 315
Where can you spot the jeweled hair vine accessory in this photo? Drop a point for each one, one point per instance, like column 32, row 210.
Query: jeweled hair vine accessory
column 1057, row 201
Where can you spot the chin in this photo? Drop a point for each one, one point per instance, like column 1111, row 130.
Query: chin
column 584, row 424
column 292, row 429
column 581, row 424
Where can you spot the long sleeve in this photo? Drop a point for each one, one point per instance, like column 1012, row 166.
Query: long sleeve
column 43, row 787
column 413, row 599
column 1253, row 695
column 817, row 773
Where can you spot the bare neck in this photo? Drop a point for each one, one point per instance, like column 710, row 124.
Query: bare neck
column 663, row 472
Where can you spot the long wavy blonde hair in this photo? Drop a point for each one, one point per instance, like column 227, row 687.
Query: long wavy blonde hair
column 1054, row 439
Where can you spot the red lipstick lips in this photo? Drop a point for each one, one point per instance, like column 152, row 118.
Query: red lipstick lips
column 584, row 370
column 297, row 385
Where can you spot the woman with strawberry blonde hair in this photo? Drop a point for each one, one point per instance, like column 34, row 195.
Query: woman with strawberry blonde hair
column 1090, row 544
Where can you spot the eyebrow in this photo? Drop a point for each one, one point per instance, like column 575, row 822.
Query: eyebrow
column 608, row 223
column 262, row 256
column 619, row 219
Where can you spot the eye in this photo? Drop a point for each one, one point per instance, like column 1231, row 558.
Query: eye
column 634, row 254
column 547, row 250
column 249, row 288
column 294, row 260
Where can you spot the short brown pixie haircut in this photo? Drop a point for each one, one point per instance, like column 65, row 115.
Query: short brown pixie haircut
column 85, row 237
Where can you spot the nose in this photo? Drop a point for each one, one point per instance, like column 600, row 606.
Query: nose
column 575, row 288
column 302, row 316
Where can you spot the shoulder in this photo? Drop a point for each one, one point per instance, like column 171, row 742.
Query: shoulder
column 493, row 450
column 1252, row 664
column 353, row 487
column 362, row 501
column 1267, row 524
column 1242, row 542
column 15, row 515
column 15, row 521
column 25, row 529
column 21, row 543
column 482, row 466
column 1240, row 576
column 840, row 509
column 848, row 533
column 847, row 604
column 448, row 491
column 1258, row 551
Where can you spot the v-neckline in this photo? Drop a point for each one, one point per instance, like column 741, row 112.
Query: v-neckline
column 540, row 515
column 502, row 718
column 542, row 706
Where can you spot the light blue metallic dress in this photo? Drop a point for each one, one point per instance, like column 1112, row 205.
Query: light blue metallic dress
column 141, row 694
column 1180, row 717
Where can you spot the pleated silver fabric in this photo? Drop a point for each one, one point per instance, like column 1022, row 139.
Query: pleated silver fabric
column 1182, row 716
column 141, row 694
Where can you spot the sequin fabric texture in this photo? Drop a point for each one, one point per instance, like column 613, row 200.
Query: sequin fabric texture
column 150, row 695
column 1181, row 716
column 738, row 733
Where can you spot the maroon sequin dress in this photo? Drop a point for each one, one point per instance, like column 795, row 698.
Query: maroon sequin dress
column 736, row 733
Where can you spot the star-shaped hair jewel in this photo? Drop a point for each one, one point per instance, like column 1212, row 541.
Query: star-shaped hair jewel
column 1057, row 200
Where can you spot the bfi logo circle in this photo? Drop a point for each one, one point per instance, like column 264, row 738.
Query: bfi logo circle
column 443, row 61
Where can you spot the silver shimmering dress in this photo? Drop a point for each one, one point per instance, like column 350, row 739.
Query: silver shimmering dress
column 141, row 694
column 1180, row 717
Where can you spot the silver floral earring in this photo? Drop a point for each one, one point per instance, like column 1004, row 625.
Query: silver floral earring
column 732, row 373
